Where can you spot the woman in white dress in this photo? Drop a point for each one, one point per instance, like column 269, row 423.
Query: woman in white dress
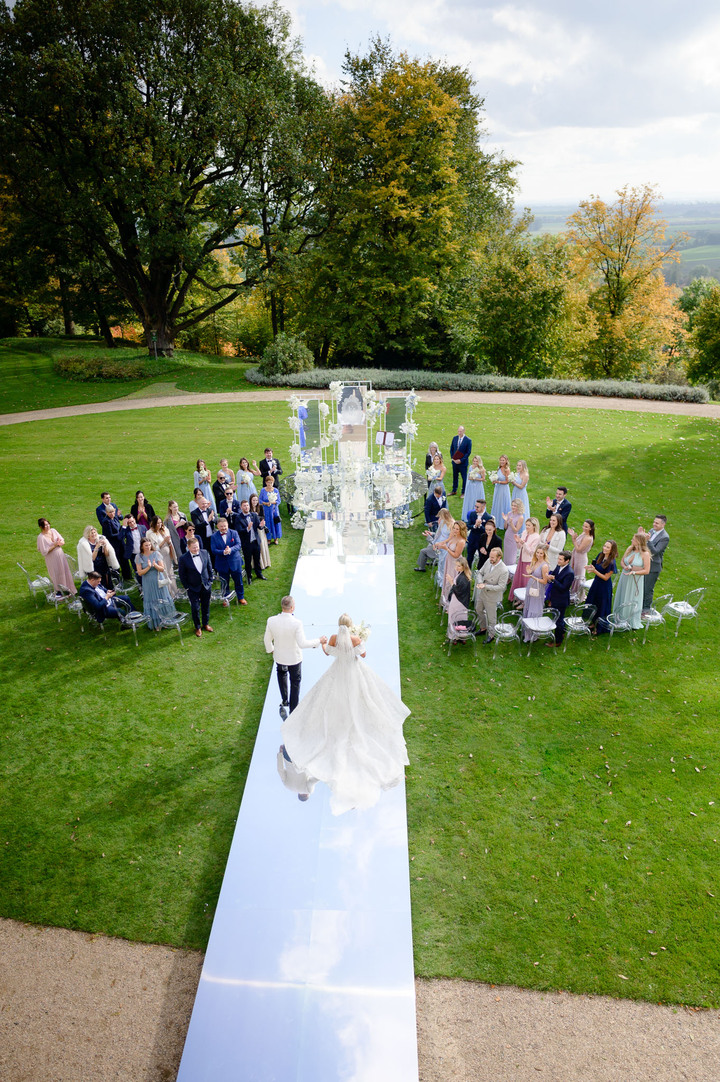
column 553, row 537
column 347, row 731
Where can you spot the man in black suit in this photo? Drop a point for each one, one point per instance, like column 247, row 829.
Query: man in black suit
column 130, row 537
column 561, row 581
column 203, row 518
column 435, row 501
column 559, row 506
column 100, row 600
column 476, row 527
column 102, row 509
column 270, row 465
column 248, row 526
column 195, row 571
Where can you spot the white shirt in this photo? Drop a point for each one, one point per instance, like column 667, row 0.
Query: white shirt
column 198, row 562
column 285, row 639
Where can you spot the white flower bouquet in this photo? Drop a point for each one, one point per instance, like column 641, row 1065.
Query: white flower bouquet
column 361, row 631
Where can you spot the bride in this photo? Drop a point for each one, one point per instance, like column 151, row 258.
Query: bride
column 347, row 731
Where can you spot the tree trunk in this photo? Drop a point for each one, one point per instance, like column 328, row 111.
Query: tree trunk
column 65, row 302
column 159, row 338
column 102, row 321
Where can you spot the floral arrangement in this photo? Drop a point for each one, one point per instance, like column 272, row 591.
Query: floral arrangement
column 294, row 423
column 323, row 409
column 295, row 450
column 294, row 402
column 409, row 428
column 361, row 631
column 334, row 431
column 493, row 475
column 411, row 401
column 335, row 389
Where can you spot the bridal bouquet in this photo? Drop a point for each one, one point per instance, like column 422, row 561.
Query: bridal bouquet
column 475, row 474
column 361, row 631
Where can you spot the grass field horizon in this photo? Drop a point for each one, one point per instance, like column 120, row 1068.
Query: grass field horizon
column 561, row 808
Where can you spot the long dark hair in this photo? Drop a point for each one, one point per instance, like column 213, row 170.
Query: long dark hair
column 612, row 555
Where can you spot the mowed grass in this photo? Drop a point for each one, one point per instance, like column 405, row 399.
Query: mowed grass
column 28, row 380
column 562, row 808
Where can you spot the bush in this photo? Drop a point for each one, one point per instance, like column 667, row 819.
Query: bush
column 87, row 369
column 287, row 354
column 461, row 381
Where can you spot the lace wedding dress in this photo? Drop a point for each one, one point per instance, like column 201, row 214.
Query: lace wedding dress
column 347, row 730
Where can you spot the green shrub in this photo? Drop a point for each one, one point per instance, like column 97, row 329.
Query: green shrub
column 87, row 369
column 462, row 381
column 287, row 354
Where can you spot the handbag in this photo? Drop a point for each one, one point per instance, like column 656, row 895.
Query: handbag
column 534, row 590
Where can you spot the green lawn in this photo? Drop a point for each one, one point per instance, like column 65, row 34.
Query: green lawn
column 28, row 382
column 562, row 808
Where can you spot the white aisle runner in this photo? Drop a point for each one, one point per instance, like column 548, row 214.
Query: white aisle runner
column 308, row 975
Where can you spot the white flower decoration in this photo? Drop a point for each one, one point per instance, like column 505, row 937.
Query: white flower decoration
column 323, row 409
column 334, row 431
column 294, row 402
column 294, row 423
column 336, row 390
column 295, row 450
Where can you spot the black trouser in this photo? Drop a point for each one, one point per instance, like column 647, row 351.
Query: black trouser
column 295, row 674
column 251, row 554
column 237, row 576
column 200, row 605
column 560, row 626
column 462, row 472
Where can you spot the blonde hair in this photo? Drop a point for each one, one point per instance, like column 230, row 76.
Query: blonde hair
column 462, row 565
column 463, row 529
column 641, row 542
column 88, row 530
column 345, row 620
column 535, row 523
column 539, row 554
column 444, row 515
column 518, row 504
column 523, row 467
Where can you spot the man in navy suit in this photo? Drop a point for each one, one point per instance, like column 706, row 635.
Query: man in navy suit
column 561, row 581
column 248, row 526
column 460, row 449
column 195, row 571
column 102, row 508
column 435, row 501
column 476, row 525
column 559, row 506
column 225, row 546
column 130, row 537
column 203, row 518
column 230, row 508
column 111, row 529
column 100, row 600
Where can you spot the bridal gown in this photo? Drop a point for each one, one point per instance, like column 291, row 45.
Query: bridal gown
column 347, row 730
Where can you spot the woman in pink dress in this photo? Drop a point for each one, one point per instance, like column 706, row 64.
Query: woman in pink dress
column 50, row 544
column 530, row 539
column 454, row 547
column 513, row 526
column 582, row 543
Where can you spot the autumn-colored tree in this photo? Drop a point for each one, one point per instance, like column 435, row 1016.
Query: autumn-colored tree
column 622, row 248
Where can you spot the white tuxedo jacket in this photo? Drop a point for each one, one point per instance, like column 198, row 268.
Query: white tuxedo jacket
column 285, row 639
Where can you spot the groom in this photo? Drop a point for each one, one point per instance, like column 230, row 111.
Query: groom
column 285, row 639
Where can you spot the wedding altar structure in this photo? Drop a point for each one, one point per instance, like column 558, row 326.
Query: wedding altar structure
column 308, row 974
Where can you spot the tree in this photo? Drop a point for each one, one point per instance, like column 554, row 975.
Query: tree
column 693, row 296
column 623, row 249
column 139, row 128
column 705, row 339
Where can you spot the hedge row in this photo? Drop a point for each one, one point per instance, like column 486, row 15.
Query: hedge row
column 392, row 380
column 87, row 369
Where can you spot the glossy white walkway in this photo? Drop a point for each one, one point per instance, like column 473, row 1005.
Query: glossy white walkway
column 308, row 974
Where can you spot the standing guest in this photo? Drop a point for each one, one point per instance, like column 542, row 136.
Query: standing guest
column 161, row 541
column 490, row 583
column 244, row 480
column 514, row 523
column 269, row 466
column 95, row 553
column 431, row 452
column 429, row 554
column 102, row 509
column 270, row 499
column 229, row 506
column 537, row 581
column 453, row 551
column 100, row 601
column 203, row 518
column 489, row 540
column 582, row 543
column 445, row 523
column 635, row 565
column 520, row 484
column 530, row 539
column 560, row 505
column 433, row 505
column 221, row 488
column 475, row 488
column 285, row 640
column 553, row 537
column 195, row 571
column 229, row 474
column 202, row 478
column 560, row 584
column 501, row 495
column 112, row 529
column 50, row 545
column 460, row 449
column 476, row 524
column 225, row 545
column 600, row 592
column 141, row 510
column 657, row 541
column 436, row 472
column 157, row 605
column 176, row 523
column 131, row 535
column 459, row 595
column 257, row 509
column 248, row 528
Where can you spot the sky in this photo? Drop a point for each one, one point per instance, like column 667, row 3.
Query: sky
column 587, row 96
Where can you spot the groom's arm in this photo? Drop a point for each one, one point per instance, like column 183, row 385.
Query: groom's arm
column 268, row 638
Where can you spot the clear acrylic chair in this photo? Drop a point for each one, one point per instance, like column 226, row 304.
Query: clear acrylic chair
column 507, row 629
column 653, row 617
column 40, row 585
column 131, row 618
column 58, row 596
column 618, row 621
column 541, row 628
column 578, row 622
column 685, row 609
column 462, row 629
column 175, row 621
column 75, row 571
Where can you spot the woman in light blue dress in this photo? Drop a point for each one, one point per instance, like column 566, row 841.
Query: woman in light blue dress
column 156, row 598
column 474, row 489
column 436, row 473
column 244, row 480
column 536, row 583
column 501, row 495
column 270, row 499
column 635, row 564
column 520, row 484
column 202, row 481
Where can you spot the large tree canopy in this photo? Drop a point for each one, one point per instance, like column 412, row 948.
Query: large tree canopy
column 140, row 130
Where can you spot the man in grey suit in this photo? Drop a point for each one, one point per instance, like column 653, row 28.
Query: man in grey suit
column 657, row 541
column 491, row 581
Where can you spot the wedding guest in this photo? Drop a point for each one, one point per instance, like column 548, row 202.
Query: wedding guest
column 514, row 523
column 229, row 474
column 102, row 508
column 490, row 583
column 560, row 505
column 248, row 527
column 50, row 545
column 176, row 523
column 431, row 452
column 202, row 478
column 195, row 571
column 131, row 535
column 520, row 484
column 582, row 543
column 270, row 466
column 429, row 554
column 535, row 596
column 453, row 551
column 489, row 540
column 476, row 524
column 221, row 489
column 501, row 494
column 225, row 545
column 161, row 541
column 530, row 539
column 433, row 505
column 244, row 480
column 553, row 537
column 203, row 518
column 100, row 601
column 149, row 565
column 560, row 585
column 600, row 592
column 112, row 529
column 474, row 489
column 460, row 449
column 95, row 553
column 257, row 509
column 657, row 541
column 229, row 506
column 270, row 499
column 635, row 565
column 459, row 594
column 436, row 472
column 141, row 510
column 445, row 524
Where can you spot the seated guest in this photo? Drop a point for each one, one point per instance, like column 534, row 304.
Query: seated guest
column 459, row 595
column 176, row 523
column 560, row 505
column 195, row 572
column 225, row 547
column 100, row 600
column 476, row 520
column 102, row 509
column 434, row 502
column 111, row 528
column 95, row 553
column 204, row 520
column 430, row 553
column 561, row 581
column 490, row 583
column 488, row 541
column 229, row 506
column 248, row 526
column 131, row 536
